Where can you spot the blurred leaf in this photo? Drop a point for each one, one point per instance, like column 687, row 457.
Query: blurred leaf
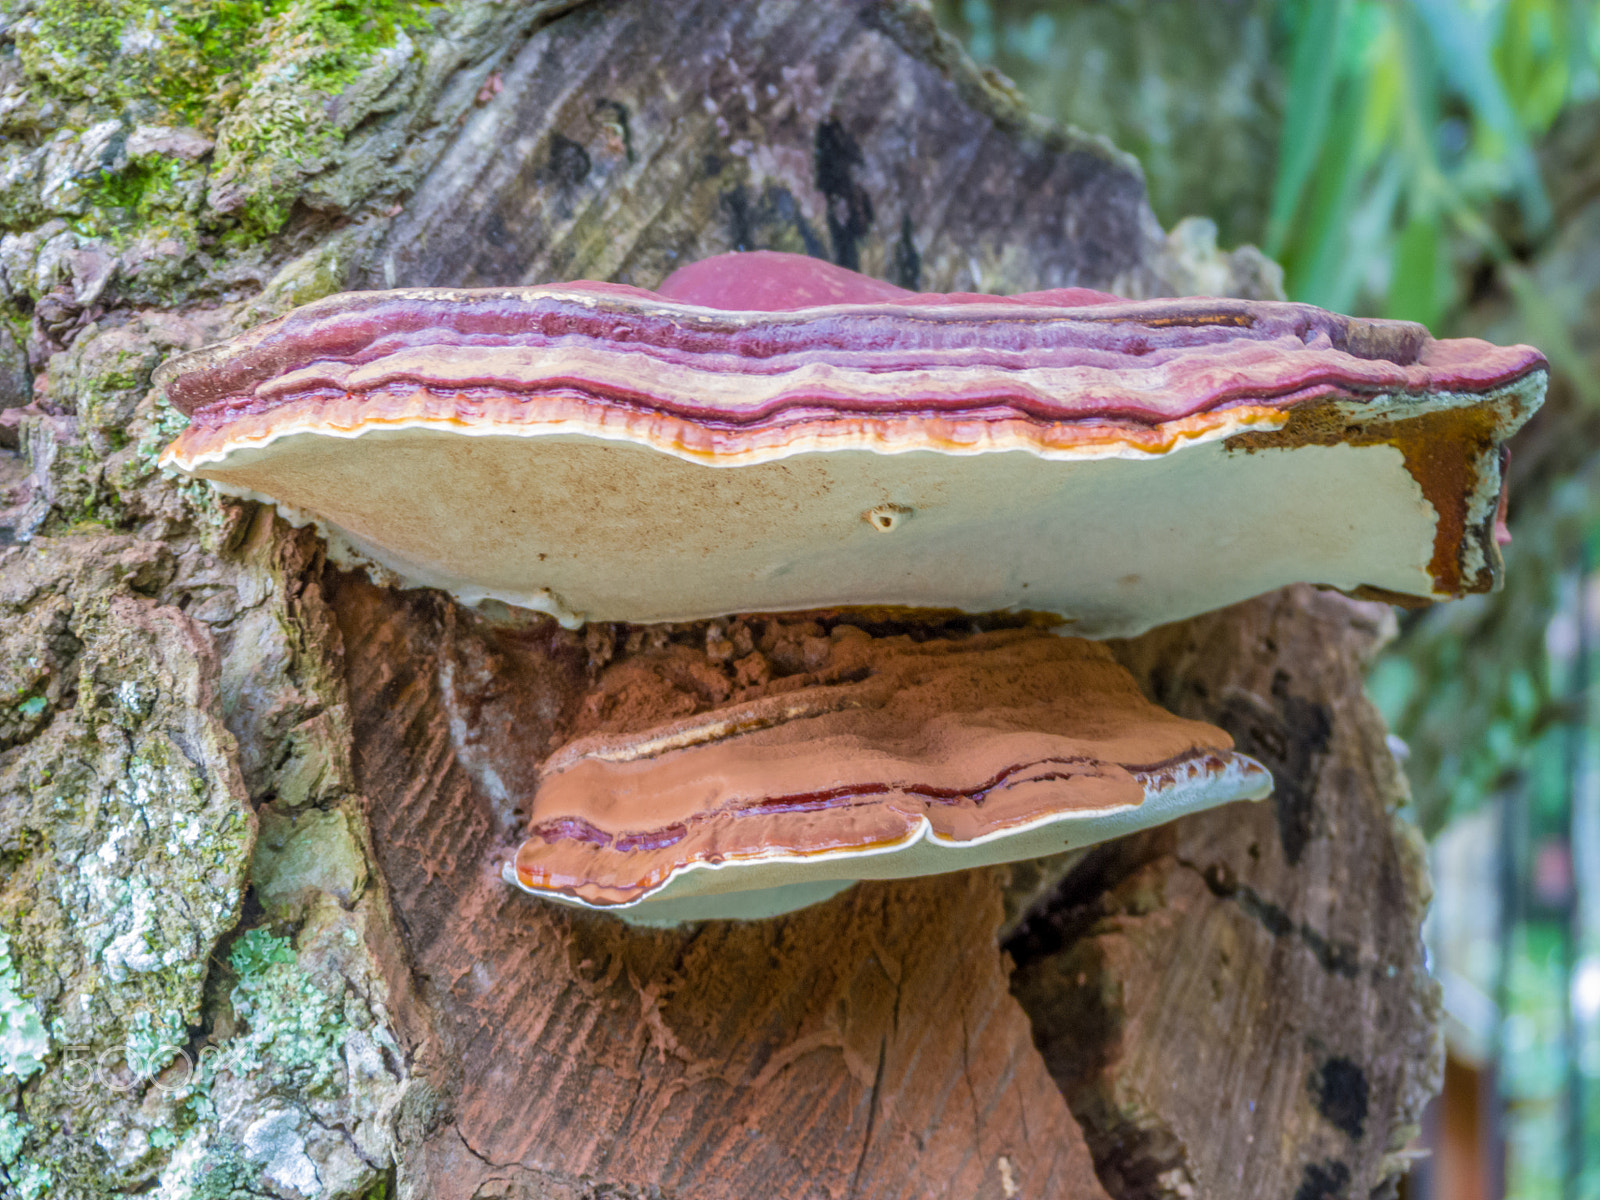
column 1418, row 110
column 1461, row 33
column 1416, row 290
column 1321, row 254
column 1533, row 55
column 1032, row 40
column 1550, row 332
column 980, row 28
column 1312, row 76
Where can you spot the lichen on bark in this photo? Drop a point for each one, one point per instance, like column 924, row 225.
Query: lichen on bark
column 170, row 173
column 125, row 829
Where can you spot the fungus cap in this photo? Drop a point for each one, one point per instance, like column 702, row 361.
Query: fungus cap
column 769, row 433
column 900, row 758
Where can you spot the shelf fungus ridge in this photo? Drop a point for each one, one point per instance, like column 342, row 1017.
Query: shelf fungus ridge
column 770, row 433
column 896, row 758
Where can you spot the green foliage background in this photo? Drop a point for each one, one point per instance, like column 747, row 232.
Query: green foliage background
column 1435, row 160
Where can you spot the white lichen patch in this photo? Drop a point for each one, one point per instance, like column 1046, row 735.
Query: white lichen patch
column 152, row 1041
column 23, row 1040
column 27, row 1180
column 205, row 1166
column 13, row 1131
column 292, row 1023
column 275, row 1139
column 157, row 824
column 299, row 1098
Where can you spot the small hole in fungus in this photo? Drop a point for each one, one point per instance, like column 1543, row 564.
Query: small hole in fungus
column 886, row 517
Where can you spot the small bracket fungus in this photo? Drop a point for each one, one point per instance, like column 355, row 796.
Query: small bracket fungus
column 892, row 758
column 599, row 451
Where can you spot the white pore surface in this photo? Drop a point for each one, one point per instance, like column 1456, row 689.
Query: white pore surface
column 751, row 888
column 587, row 528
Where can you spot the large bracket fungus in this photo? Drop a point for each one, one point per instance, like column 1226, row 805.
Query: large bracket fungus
column 770, row 434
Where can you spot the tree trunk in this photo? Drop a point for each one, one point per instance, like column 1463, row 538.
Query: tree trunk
column 255, row 935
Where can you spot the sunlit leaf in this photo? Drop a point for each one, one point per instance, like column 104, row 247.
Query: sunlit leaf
column 1533, row 55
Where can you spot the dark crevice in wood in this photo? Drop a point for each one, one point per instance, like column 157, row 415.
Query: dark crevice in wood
column 1341, row 958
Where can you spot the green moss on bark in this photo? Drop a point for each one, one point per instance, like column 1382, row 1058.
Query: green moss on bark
column 195, row 59
column 276, row 84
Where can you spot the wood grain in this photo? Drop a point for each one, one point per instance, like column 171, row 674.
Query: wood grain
column 630, row 138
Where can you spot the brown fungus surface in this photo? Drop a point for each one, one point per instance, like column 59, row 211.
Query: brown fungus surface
column 770, row 433
column 705, row 783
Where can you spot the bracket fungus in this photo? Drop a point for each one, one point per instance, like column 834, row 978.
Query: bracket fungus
column 772, row 434
column 769, row 433
column 892, row 758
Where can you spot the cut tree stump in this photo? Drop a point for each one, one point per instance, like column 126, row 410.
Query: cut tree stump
column 866, row 1046
column 1234, row 1006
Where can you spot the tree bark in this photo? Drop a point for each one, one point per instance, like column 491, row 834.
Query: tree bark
column 326, row 988
column 1256, row 959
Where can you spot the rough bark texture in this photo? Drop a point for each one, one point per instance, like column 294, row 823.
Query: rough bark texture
column 282, row 964
column 1261, row 958
column 628, row 139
